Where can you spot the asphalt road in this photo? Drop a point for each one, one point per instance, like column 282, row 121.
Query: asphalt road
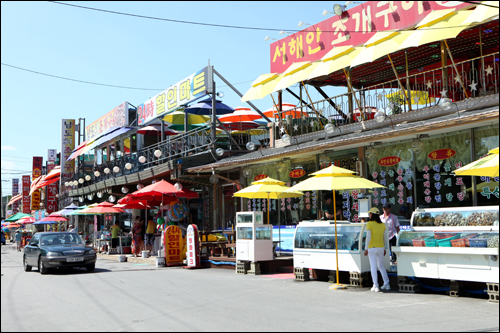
column 123, row 297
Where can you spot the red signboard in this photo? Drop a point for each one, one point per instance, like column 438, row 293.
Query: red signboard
column 193, row 248
column 15, row 191
column 297, row 173
column 388, row 161
column 26, row 194
column 354, row 27
column 441, row 154
column 260, row 177
column 51, row 205
column 37, row 172
column 173, row 245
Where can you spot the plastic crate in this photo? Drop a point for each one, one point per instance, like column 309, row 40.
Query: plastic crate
column 446, row 242
column 419, row 241
column 430, row 242
column 478, row 242
column 462, row 242
column 443, row 235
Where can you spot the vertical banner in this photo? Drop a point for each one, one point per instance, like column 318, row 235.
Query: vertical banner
column 51, row 156
column 51, row 204
column 26, row 194
column 15, row 191
column 67, row 168
column 173, row 245
column 37, row 172
column 193, row 248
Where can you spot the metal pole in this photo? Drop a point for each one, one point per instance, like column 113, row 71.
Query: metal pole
column 336, row 243
column 214, row 112
column 279, row 116
column 408, row 88
column 482, row 61
column 455, row 67
column 314, row 109
column 400, row 84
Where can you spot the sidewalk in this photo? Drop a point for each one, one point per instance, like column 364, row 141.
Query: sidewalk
column 136, row 260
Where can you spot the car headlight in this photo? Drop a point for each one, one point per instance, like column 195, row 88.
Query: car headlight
column 54, row 254
column 90, row 252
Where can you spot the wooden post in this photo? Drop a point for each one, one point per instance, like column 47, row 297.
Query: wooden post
column 455, row 67
column 408, row 88
column 444, row 63
column 399, row 82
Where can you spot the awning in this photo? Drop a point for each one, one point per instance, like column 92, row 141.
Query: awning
column 262, row 87
column 381, row 44
column 338, row 58
column 34, row 184
column 56, row 172
column 44, row 182
column 298, row 72
column 483, row 13
column 438, row 25
column 77, row 151
column 14, row 199
column 110, row 135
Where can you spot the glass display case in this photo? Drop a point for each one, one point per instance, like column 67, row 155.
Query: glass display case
column 314, row 246
column 481, row 216
column 254, row 240
column 451, row 243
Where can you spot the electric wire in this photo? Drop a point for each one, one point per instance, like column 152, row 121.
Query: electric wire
column 219, row 25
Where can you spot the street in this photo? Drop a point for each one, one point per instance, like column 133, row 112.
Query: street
column 139, row 297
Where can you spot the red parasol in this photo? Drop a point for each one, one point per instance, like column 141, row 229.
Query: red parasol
column 156, row 130
column 239, row 126
column 292, row 111
column 240, row 114
column 13, row 225
column 104, row 208
column 162, row 191
column 27, row 220
column 54, row 218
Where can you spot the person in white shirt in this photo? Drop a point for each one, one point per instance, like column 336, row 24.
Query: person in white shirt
column 392, row 224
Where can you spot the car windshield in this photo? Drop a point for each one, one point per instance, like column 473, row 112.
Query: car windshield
column 61, row 239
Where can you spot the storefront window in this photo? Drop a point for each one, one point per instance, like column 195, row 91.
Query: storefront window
column 305, row 207
column 485, row 139
column 437, row 185
column 392, row 167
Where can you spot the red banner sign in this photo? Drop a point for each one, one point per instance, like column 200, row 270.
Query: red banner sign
column 15, row 191
column 389, row 161
column 51, row 205
column 193, row 248
column 26, row 195
column 441, row 154
column 37, row 172
column 260, row 177
column 354, row 27
column 173, row 245
column 297, row 173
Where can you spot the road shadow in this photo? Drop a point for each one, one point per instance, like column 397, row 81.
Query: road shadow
column 72, row 271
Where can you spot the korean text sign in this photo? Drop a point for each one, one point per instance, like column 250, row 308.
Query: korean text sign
column 15, row 191
column 26, row 194
column 354, row 27
column 177, row 95
column 37, row 172
column 193, row 248
column 51, row 205
column 173, row 245
column 67, row 146
column 118, row 117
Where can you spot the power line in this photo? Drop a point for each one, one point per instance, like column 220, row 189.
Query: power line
column 23, row 158
column 223, row 25
column 100, row 84
column 480, row 3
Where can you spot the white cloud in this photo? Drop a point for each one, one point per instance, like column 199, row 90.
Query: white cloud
column 8, row 148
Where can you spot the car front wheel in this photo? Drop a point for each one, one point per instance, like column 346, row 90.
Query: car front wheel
column 41, row 268
column 27, row 268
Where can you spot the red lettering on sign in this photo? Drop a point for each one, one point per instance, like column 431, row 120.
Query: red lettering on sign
column 389, row 160
column 442, row 154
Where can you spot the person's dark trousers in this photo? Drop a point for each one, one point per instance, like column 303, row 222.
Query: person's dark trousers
column 114, row 243
column 392, row 242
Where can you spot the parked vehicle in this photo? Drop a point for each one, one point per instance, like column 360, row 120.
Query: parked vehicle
column 48, row 250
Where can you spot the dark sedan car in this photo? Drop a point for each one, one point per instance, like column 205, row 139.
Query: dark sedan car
column 57, row 249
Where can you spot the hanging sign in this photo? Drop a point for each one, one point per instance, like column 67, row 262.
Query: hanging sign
column 191, row 88
column 193, row 248
column 173, row 245
column 297, row 173
column 260, row 177
column 441, row 154
column 118, row 117
column 36, row 196
column 26, row 194
column 51, row 196
column 389, row 161
column 15, row 191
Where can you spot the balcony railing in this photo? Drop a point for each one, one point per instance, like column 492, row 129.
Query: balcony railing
column 479, row 76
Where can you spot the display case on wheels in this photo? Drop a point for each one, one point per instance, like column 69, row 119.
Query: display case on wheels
column 459, row 244
column 254, row 240
column 314, row 246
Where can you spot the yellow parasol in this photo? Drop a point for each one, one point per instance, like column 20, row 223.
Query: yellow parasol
column 381, row 44
column 299, row 71
column 486, row 166
column 336, row 59
column 418, row 97
column 438, row 25
column 334, row 178
column 175, row 120
column 483, row 13
column 262, row 87
column 267, row 188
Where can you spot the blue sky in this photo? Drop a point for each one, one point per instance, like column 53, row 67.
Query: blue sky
column 125, row 51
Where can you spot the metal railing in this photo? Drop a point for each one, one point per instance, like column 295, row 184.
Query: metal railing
column 471, row 78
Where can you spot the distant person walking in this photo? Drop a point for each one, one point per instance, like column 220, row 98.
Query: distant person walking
column 375, row 248
column 115, row 229
column 18, row 237
column 149, row 240
column 392, row 224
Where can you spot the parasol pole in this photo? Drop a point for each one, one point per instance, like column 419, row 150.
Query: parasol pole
column 268, row 222
column 336, row 243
